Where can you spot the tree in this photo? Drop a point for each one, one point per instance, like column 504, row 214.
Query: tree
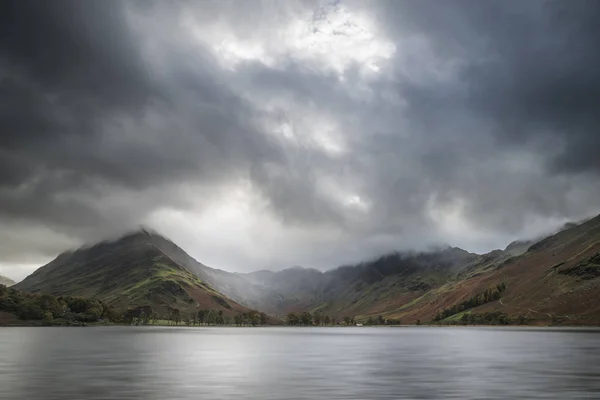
column 306, row 318
column 220, row 319
column 380, row 320
column 202, row 316
column 347, row 321
column 238, row 319
column 30, row 310
column 113, row 314
column 292, row 319
column 176, row 315
column 211, row 318
column 48, row 318
column 263, row 318
column 51, row 304
column 78, row 304
column 317, row 319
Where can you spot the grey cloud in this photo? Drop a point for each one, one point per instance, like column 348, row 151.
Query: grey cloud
column 526, row 82
column 85, row 118
column 530, row 69
column 109, row 108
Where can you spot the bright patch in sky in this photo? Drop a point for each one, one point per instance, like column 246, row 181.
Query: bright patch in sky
column 332, row 37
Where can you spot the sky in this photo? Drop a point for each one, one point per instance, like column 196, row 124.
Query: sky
column 268, row 134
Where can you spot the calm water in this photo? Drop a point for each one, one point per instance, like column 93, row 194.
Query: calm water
column 296, row 363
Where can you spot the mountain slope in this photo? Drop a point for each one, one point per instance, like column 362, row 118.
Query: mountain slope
column 6, row 281
column 557, row 280
column 130, row 272
column 390, row 282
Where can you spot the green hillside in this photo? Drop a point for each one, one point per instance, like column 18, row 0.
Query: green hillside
column 131, row 272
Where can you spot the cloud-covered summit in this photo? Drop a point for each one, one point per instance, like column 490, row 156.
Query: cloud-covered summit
column 263, row 134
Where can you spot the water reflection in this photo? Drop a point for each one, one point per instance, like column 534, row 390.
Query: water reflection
column 296, row 363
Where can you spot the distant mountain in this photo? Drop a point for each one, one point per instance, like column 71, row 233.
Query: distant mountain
column 6, row 281
column 355, row 290
column 142, row 269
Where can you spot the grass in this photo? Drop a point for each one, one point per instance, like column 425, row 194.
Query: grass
column 319, row 308
column 162, row 272
column 412, row 302
column 455, row 317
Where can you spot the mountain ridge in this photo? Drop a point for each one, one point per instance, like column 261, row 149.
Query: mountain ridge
column 408, row 286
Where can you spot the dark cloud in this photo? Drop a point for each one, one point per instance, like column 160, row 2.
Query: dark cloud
column 85, row 116
column 530, row 70
column 523, row 82
column 480, row 127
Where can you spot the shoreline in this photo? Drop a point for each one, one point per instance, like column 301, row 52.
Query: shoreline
column 500, row 327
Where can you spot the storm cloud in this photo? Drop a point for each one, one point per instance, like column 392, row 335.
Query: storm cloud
column 265, row 134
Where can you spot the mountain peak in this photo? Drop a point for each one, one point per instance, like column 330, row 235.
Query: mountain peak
column 144, row 231
column 141, row 268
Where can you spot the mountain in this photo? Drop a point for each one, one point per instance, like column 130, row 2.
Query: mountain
column 552, row 280
column 361, row 289
column 141, row 269
column 555, row 281
column 6, row 281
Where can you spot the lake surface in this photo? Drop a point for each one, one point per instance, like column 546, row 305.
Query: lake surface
column 298, row 363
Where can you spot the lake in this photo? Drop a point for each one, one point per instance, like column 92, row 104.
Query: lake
column 298, row 363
